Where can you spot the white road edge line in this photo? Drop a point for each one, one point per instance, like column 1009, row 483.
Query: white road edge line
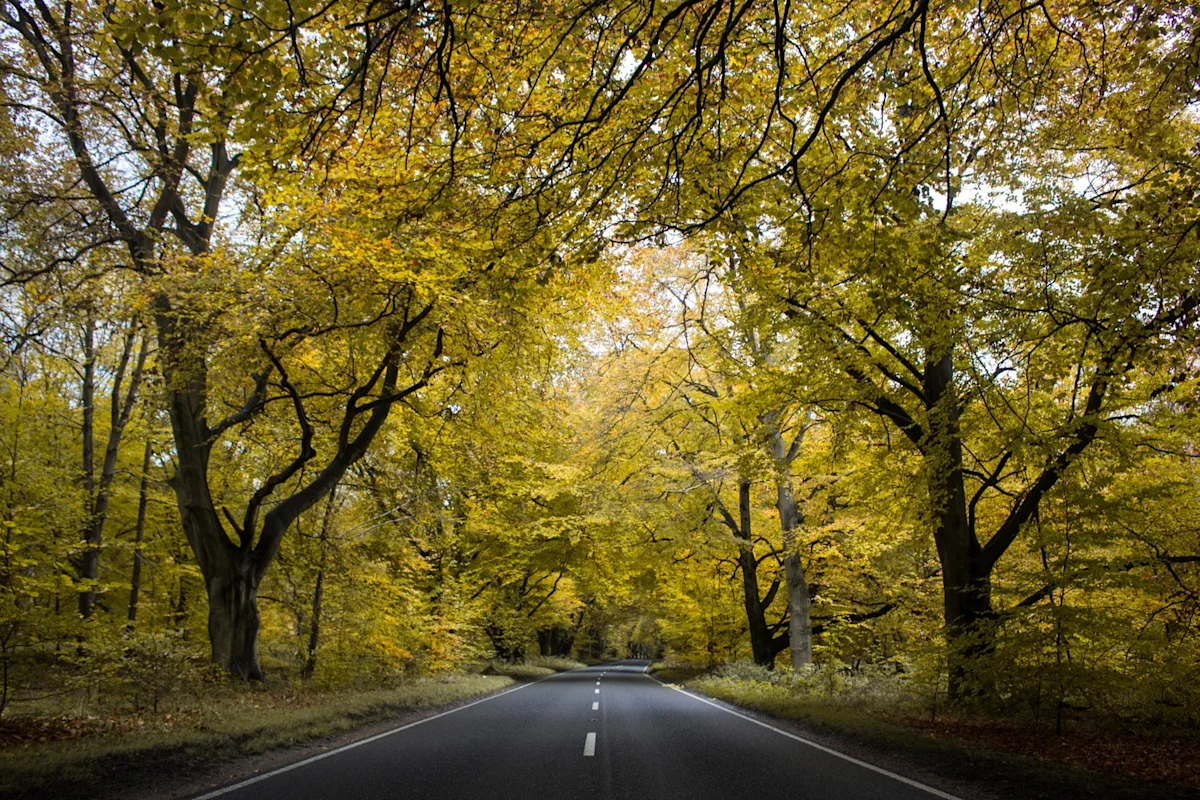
column 894, row 776
column 589, row 745
column 352, row 745
column 596, row 706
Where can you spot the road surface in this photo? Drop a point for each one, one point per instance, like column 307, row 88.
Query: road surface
column 609, row 731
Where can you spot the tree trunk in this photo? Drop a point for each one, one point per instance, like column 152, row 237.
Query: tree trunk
column 760, row 634
column 966, row 577
column 135, row 583
column 89, row 566
column 314, row 631
column 967, row 606
column 800, row 631
column 764, row 645
column 556, row 641
column 98, row 493
column 799, row 601
column 179, row 607
column 233, row 617
column 230, row 572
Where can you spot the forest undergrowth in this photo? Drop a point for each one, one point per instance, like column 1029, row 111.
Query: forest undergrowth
column 75, row 738
column 905, row 711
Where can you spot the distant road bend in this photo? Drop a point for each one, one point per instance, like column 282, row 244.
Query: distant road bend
column 609, row 731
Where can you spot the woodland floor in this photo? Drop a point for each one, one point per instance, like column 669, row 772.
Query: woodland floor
column 1155, row 759
column 989, row 760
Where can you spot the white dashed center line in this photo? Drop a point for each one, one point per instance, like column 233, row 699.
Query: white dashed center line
column 597, row 691
column 589, row 745
column 595, row 706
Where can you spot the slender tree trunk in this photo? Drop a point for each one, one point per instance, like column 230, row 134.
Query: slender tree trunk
column 760, row 634
column 89, row 568
column 179, row 605
column 135, row 583
column 763, row 644
column 314, row 632
column 100, row 492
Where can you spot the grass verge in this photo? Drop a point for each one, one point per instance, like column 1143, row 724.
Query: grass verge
column 557, row 663
column 838, row 717
column 533, row 668
column 247, row 723
column 677, row 671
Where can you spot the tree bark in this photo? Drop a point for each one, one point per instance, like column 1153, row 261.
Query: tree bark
column 120, row 410
column 966, row 578
column 233, row 616
column 800, row 631
column 555, row 641
column 89, row 567
column 799, row 601
column 314, row 631
column 135, row 582
column 764, row 644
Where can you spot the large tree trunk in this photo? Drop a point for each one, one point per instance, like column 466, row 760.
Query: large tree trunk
column 230, row 576
column 800, row 631
column 231, row 572
column 233, row 616
column 966, row 576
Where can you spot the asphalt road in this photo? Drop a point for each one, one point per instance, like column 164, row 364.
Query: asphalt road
column 609, row 731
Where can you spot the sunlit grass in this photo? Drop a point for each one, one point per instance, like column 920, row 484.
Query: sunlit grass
column 671, row 671
column 556, row 663
column 532, row 669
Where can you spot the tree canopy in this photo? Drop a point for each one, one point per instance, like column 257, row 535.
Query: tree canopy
column 364, row 338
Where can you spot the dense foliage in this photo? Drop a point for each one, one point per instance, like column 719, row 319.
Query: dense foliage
column 358, row 339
